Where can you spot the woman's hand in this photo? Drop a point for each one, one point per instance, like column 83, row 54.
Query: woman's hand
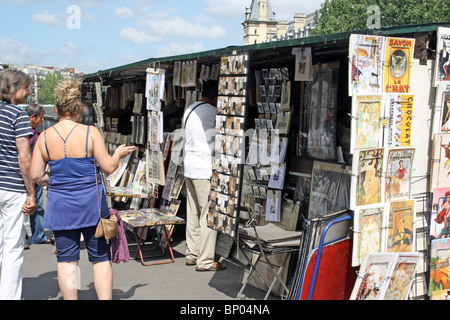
column 122, row 151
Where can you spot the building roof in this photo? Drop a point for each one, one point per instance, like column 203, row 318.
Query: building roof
column 255, row 14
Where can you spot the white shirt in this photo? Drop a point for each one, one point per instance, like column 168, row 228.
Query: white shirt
column 199, row 145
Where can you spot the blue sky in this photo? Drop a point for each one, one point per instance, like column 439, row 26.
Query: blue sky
column 92, row 35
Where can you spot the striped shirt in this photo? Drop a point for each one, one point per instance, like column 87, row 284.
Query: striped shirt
column 14, row 123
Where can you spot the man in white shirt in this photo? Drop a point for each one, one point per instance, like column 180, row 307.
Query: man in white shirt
column 199, row 123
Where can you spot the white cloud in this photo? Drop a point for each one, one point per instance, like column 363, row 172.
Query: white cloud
column 51, row 19
column 177, row 27
column 174, row 49
column 14, row 52
column 124, row 13
column 135, row 36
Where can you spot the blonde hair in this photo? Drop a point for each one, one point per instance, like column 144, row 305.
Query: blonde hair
column 67, row 97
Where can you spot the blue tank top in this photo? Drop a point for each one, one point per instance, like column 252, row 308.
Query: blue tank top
column 72, row 194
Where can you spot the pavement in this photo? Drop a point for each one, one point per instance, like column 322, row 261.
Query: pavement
column 135, row 281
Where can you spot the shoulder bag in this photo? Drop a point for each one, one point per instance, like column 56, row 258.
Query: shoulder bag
column 106, row 228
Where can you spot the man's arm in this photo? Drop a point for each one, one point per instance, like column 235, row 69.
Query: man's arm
column 24, row 151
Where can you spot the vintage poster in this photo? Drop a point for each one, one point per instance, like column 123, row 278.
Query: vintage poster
column 401, row 230
column 399, row 166
column 367, row 130
column 439, row 268
column 442, row 69
column 439, row 224
column 367, row 186
column 440, row 161
column 397, row 67
column 399, row 110
column 366, row 67
column 442, row 105
column 369, row 224
column 400, row 281
column 371, row 283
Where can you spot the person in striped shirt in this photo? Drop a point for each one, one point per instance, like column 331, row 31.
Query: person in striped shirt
column 17, row 194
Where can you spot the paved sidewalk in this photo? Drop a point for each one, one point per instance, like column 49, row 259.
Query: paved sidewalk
column 134, row 281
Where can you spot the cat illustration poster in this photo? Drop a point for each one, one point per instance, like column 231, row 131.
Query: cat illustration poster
column 398, row 174
column 367, row 130
column 442, row 69
column 397, row 65
column 401, row 230
column 366, row 65
column 367, row 186
column 399, row 111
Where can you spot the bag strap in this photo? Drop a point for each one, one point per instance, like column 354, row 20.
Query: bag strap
column 96, row 182
column 185, row 121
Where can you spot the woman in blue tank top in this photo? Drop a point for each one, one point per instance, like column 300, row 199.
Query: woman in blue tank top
column 71, row 151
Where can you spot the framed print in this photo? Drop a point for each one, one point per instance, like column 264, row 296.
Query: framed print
column 367, row 186
column 330, row 189
column 398, row 60
column 443, row 105
column 366, row 65
column 442, row 68
column 399, row 110
column 367, row 128
column 401, row 279
column 401, row 226
column 440, row 161
column 369, row 234
column 439, row 224
column 373, row 274
column 399, row 166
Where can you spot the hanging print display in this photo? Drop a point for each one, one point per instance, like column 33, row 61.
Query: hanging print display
column 397, row 69
column 367, row 130
column 367, row 187
column 400, row 113
column 366, row 67
column 442, row 69
column 398, row 174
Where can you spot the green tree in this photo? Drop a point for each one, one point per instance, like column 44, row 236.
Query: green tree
column 336, row 16
column 47, row 87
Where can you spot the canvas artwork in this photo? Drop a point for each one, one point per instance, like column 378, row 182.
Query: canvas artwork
column 442, row 69
column 439, row 268
column 369, row 233
column 366, row 67
column 367, row 186
column 371, row 283
column 367, row 123
column 400, row 282
column 330, row 189
column 401, row 227
column 399, row 109
column 399, row 166
column 440, row 161
column 443, row 104
column 397, row 68
column 439, row 225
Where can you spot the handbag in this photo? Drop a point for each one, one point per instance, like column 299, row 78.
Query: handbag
column 106, row 228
